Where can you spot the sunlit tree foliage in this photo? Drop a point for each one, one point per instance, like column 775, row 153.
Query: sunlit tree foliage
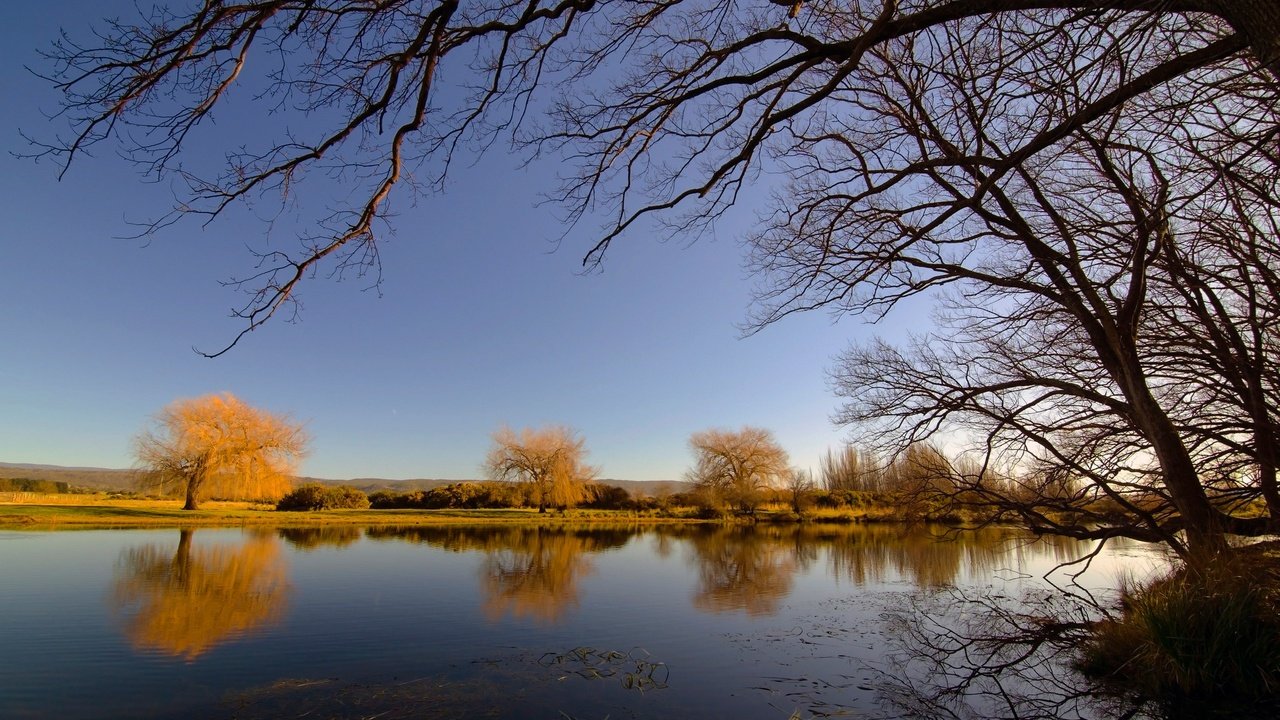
column 551, row 461
column 218, row 446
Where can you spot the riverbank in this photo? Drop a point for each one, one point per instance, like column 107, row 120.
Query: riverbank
column 121, row 513
column 102, row 511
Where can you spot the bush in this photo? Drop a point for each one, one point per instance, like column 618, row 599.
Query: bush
column 49, row 487
column 314, row 496
column 383, row 500
column 1211, row 632
column 843, row 499
column 455, row 495
column 607, row 497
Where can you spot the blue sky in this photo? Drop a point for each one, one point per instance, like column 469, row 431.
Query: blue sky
column 482, row 320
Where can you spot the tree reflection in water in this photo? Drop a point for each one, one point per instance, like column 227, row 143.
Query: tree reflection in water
column 751, row 568
column 185, row 601
column 312, row 538
column 743, row 569
column 964, row 656
column 932, row 556
column 527, row 572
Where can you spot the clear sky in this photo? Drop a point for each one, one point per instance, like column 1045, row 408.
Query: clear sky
column 481, row 320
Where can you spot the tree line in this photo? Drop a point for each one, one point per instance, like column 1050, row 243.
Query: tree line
column 218, row 446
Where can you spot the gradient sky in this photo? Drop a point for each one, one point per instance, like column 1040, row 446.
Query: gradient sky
column 481, row 320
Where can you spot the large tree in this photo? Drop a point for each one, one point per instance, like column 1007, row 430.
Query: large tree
column 216, row 445
column 1065, row 168
column 735, row 467
column 551, row 461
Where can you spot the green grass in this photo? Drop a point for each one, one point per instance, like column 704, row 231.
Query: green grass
column 98, row 512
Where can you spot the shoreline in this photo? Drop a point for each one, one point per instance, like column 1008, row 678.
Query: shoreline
column 117, row 513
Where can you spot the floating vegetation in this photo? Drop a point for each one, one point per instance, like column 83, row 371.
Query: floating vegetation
column 428, row 698
column 507, row 686
column 633, row 669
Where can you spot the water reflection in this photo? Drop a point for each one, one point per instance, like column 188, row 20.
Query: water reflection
column 933, row 556
column 742, row 569
column 184, row 601
column 529, row 573
column 535, row 572
column 808, row 598
column 751, row 569
column 311, row 538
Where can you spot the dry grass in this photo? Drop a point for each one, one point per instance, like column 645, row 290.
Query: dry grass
column 1206, row 633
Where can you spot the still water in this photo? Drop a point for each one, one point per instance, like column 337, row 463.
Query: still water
column 452, row 622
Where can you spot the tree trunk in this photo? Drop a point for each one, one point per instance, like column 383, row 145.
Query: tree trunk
column 193, row 501
column 182, row 558
column 1201, row 522
column 1259, row 22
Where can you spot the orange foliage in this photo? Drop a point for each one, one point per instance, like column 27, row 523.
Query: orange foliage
column 551, row 461
column 218, row 446
column 185, row 603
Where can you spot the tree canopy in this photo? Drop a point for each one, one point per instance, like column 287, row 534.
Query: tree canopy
column 216, row 445
column 550, row 460
column 734, row 467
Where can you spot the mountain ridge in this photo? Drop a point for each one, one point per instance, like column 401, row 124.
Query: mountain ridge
column 107, row 479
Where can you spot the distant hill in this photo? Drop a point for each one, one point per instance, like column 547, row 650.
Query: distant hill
column 77, row 477
column 112, row 479
column 635, row 487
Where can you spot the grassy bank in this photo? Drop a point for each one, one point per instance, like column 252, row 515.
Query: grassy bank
column 33, row 511
column 101, row 512
column 1199, row 638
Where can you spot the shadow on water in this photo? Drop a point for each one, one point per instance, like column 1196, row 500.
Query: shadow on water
column 183, row 601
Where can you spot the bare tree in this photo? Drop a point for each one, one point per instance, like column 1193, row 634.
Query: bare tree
column 216, row 445
column 851, row 468
column 1105, row 324
column 800, row 487
column 706, row 92
column 551, row 461
column 736, row 466
column 1058, row 168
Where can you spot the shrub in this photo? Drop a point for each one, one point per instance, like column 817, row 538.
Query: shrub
column 607, row 497
column 455, row 495
column 384, row 499
column 48, row 487
column 314, row 496
column 1209, row 632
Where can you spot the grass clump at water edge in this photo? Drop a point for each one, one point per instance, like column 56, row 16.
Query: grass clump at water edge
column 1203, row 633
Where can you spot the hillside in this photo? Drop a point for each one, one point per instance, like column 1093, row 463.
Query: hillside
column 76, row 477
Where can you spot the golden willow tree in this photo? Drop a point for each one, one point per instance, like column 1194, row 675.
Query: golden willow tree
column 550, row 461
column 735, row 467
column 218, row 446
column 1091, row 184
